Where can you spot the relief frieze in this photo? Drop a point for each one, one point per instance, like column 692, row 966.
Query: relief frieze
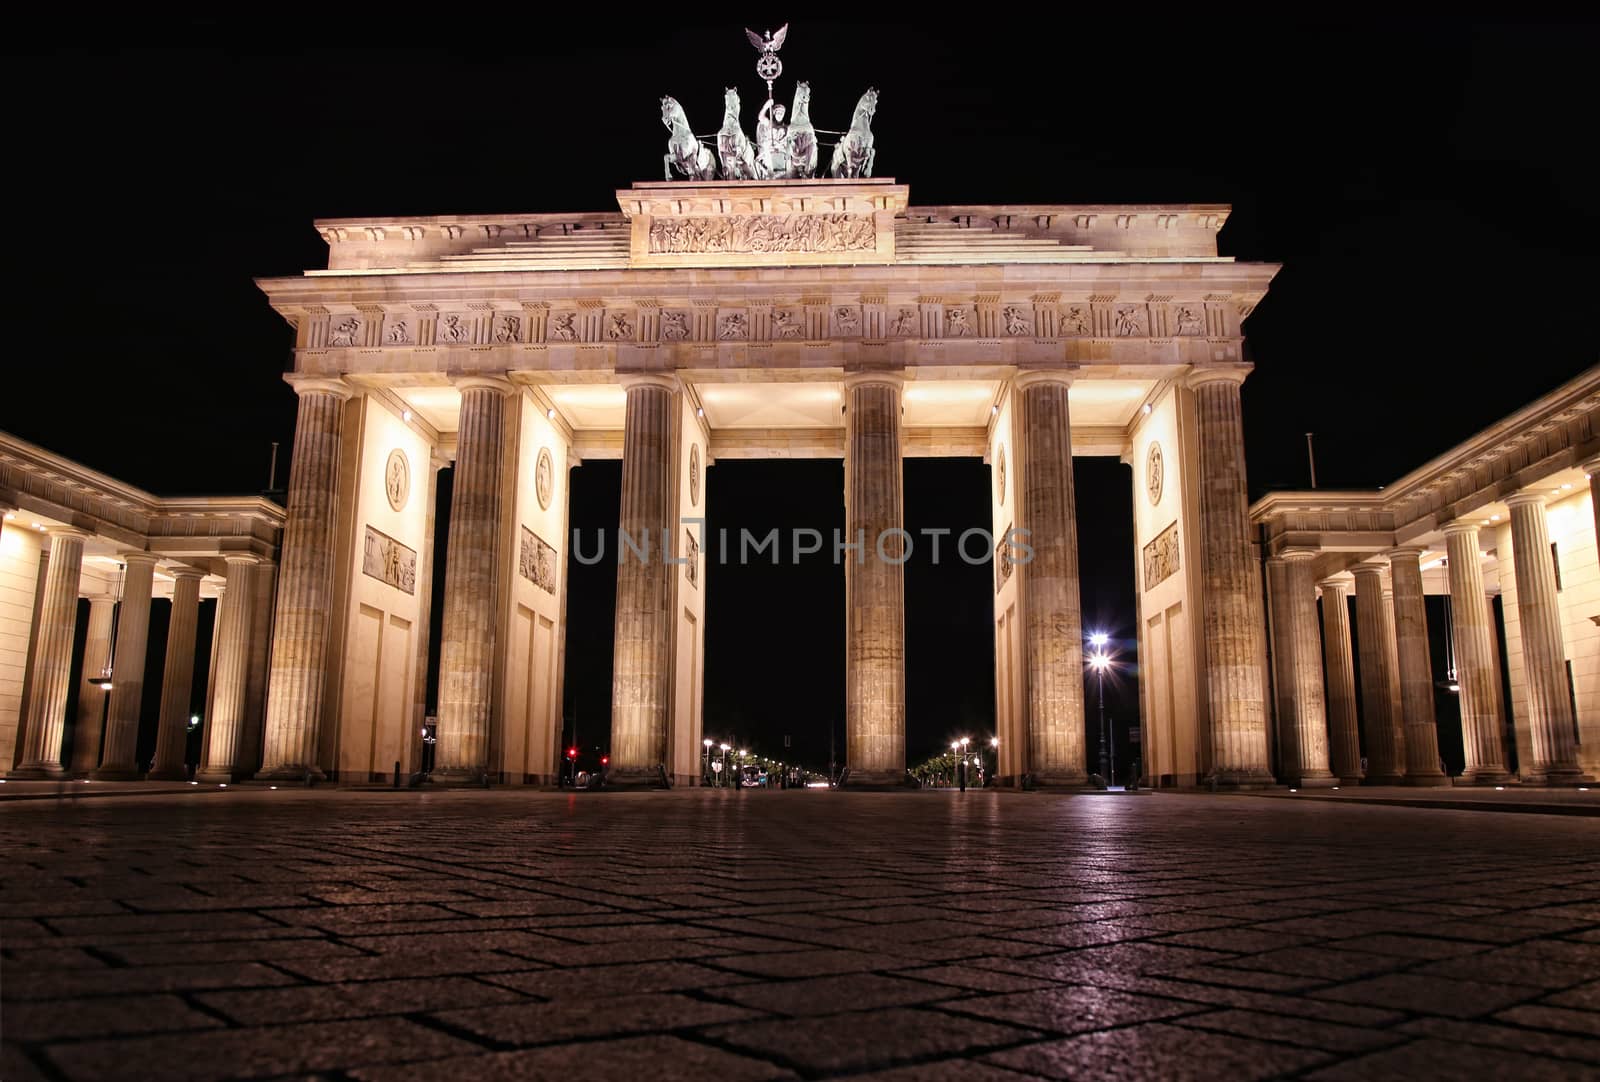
column 390, row 562
column 1161, row 560
column 763, row 233
column 537, row 561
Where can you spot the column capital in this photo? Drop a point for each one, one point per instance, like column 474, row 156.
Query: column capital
column 893, row 377
column 486, row 381
column 1299, row 553
column 1461, row 526
column 1590, row 465
column 1373, row 566
column 1029, row 377
column 1405, row 552
column 185, row 572
column 139, row 557
column 330, row 385
column 1232, row 373
column 1522, row 499
column 67, row 531
column 1334, row 582
column 667, row 381
column 249, row 559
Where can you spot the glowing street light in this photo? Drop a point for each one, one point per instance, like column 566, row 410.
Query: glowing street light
column 1100, row 661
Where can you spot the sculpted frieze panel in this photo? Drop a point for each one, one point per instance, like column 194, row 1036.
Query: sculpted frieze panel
column 763, row 233
column 619, row 326
column 453, row 330
column 1129, row 321
column 847, row 321
column 788, row 323
column 674, row 326
column 1072, row 321
column 345, row 331
column 390, row 562
column 733, row 325
column 905, row 323
column 958, row 322
column 508, row 328
column 1161, row 560
column 398, row 333
column 563, row 327
column 536, row 561
column 1189, row 319
column 1016, row 320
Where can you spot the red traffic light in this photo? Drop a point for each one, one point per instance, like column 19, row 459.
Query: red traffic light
column 572, row 753
column 605, row 760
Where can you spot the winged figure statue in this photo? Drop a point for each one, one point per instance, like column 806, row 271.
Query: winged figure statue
column 771, row 43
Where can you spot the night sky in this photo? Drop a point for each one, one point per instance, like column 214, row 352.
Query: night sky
column 1427, row 186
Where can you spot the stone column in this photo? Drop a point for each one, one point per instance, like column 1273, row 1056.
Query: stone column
column 1235, row 680
column 1591, row 470
column 117, row 762
column 177, row 679
column 1416, row 669
column 1344, row 737
column 1385, row 746
column 1473, row 639
column 874, row 575
column 91, row 699
column 1550, row 720
column 52, row 657
column 226, row 725
column 471, row 585
column 1049, row 581
column 298, row 669
column 413, row 744
column 642, row 646
column 1306, row 745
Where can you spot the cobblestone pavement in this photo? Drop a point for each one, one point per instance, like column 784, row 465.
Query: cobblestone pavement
column 985, row 936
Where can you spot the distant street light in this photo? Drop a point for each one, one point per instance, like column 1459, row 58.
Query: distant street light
column 1100, row 662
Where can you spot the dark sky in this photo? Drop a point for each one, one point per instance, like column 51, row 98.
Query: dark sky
column 1427, row 185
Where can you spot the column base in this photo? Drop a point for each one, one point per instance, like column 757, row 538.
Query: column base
column 171, row 773
column 1312, row 781
column 289, row 772
column 219, row 776
column 1435, row 780
column 115, row 773
column 635, row 779
column 877, row 780
column 1082, row 783
column 1557, row 777
column 1385, row 779
column 1242, row 779
column 461, row 778
column 38, row 772
column 1486, row 776
column 1351, row 780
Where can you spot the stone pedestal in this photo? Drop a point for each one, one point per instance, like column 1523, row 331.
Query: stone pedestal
column 471, row 586
column 299, row 663
column 177, row 679
column 1385, row 744
column 1305, row 744
column 86, row 734
column 1551, row 725
column 1344, row 735
column 127, row 677
column 875, row 652
column 223, row 759
column 642, row 648
column 1235, row 681
column 1473, row 638
column 1049, row 581
column 1416, row 669
column 52, row 657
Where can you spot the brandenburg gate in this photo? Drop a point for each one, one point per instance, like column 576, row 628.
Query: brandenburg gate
column 712, row 319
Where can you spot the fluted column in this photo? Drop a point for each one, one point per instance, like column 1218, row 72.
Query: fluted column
column 177, row 679
column 1416, row 669
column 1344, row 735
column 117, row 761
column 642, row 644
column 1591, row 470
column 471, row 585
column 1235, row 680
column 52, row 657
column 1550, row 720
column 1307, row 763
column 298, row 669
column 1049, row 581
column 1473, row 639
column 874, row 575
column 1385, row 745
column 225, row 727
column 87, row 732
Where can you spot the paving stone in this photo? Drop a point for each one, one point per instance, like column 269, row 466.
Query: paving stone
column 625, row 1060
column 50, row 1020
column 541, row 1023
column 845, row 992
column 331, row 1002
column 893, row 1036
column 1537, row 1016
column 1159, row 1051
column 1533, row 1041
column 1329, row 1036
column 1072, row 1009
column 1437, row 1059
column 1430, row 995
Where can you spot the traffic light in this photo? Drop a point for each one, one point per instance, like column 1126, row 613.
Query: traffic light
column 572, row 753
column 605, row 760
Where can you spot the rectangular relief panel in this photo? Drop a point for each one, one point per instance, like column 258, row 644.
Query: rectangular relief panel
column 390, row 562
column 1161, row 558
column 537, row 561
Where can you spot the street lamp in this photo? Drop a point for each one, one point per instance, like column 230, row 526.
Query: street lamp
column 705, row 775
column 1099, row 661
column 964, row 742
column 724, row 770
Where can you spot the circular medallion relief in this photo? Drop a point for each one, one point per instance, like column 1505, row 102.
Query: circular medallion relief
column 694, row 475
column 1000, row 473
column 544, row 475
column 1155, row 473
column 397, row 479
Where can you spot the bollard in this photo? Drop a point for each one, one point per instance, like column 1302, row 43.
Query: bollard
column 397, row 773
